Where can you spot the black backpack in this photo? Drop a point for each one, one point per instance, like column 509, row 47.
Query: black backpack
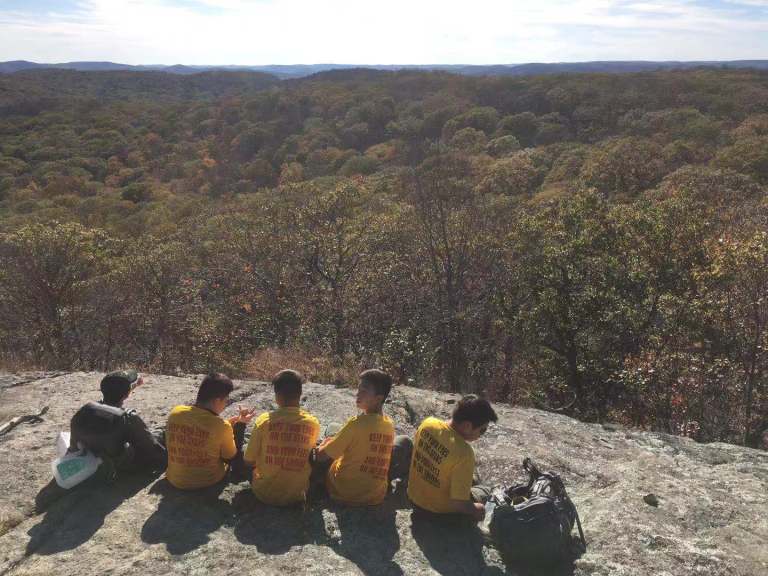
column 100, row 428
column 532, row 522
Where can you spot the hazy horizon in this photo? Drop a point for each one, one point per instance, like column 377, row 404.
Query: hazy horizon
column 268, row 32
column 371, row 64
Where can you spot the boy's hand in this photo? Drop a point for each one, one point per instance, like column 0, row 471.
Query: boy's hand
column 479, row 512
column 244, row 415
column 319, row 453
column 324, row 443
column 473, row 509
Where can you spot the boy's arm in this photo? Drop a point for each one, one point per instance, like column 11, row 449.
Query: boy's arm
column 228, row 448
column 253, row 450
column 234, row 435
column 318, row 456
column 461, row 489
column 474, row 509
column 333, row 447
column 147, row 447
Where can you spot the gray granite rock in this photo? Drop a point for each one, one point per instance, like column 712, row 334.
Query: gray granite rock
column 712, row 514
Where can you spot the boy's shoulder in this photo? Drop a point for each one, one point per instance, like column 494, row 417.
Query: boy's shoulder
column 132, row 416
column 433, row 423
column 281, row 414
column 198, row 416
column 306, row 415
column 370, row 421
column 262, row 418
column 180, row 409
column 353, row 423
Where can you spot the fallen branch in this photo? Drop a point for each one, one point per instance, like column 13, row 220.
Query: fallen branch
column 30, row 418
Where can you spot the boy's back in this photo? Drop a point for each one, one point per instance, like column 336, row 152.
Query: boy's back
column 442, row 467
column 198, row 441
column 279, row 451
column 361, row 452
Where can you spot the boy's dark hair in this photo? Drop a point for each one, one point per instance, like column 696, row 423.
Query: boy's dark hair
column 115, row 386
column 380, row 380
column 215, row 385
column 288, row 383
column 474, row 409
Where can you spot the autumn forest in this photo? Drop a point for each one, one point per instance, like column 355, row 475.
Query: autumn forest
column 595, row 244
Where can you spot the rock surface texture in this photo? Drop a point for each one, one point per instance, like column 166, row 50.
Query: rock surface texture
column 710, row 514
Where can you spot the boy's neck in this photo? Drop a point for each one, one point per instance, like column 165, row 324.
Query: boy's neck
column 377, row 410
column 207, row 406
column 282, row 403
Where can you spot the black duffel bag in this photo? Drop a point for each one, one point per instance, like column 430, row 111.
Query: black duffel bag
column 532, row 522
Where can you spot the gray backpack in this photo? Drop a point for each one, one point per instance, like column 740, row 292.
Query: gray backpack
column 531, row 523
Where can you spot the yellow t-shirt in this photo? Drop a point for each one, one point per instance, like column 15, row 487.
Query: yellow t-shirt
column 442, row 466
column 361, row 452
column 279, row 451
column 198, row 442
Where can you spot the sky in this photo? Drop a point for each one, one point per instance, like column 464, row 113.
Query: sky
column 260, row 32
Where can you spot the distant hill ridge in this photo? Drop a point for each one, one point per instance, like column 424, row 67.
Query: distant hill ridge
column 301, row 70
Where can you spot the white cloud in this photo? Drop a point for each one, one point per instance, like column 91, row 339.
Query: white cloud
column 758, row 3
column 398, row 31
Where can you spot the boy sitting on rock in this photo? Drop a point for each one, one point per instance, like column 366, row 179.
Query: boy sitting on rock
column 360, row 452
column 280, row 445
column 200, row 443
column 443, row 462
column 116, row 434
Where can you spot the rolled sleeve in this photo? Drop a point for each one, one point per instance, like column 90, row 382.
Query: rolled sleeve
column 341, row 441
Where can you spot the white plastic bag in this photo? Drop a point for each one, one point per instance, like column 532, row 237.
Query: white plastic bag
column 62, row 444
column 69, row 469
